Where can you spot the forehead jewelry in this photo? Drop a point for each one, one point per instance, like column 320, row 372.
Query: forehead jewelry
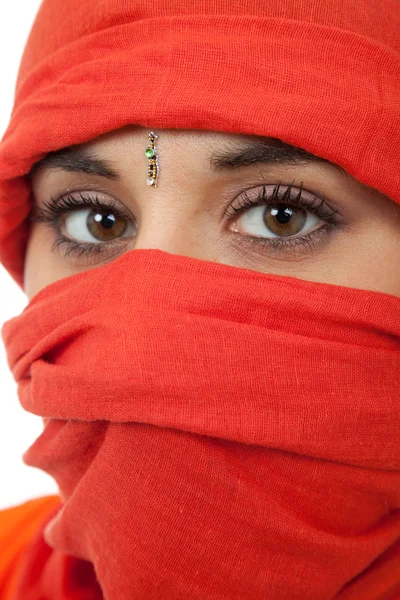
column 152, row 158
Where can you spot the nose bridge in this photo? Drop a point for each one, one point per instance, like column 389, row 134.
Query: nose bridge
column 172, row 227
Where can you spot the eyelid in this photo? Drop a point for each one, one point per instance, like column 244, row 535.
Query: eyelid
column 261, row 194
column 54, row 208
column 301, row 197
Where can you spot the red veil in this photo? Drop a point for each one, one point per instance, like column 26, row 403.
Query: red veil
column 216, row 433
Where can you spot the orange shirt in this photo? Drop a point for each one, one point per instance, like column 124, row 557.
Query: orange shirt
column 18, row 525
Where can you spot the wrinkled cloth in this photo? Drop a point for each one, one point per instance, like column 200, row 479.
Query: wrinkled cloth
column 319, row 74
column 19, row 525
column 216, row 432
column 30, row 568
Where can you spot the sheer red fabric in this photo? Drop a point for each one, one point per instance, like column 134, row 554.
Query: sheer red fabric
column 321, row 75
column 32, row 570
column 216, row 433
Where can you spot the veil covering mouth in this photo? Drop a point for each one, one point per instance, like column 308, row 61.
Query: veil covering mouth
column 208, row 443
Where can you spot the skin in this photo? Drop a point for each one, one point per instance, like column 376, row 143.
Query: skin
column 185, row 213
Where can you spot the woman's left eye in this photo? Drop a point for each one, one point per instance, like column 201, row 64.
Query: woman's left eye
column 284, row 220
column 275, row 221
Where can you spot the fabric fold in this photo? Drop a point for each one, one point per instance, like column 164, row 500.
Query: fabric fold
column 215, row 431
column 155, row 68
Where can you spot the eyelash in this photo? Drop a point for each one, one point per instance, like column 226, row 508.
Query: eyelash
column 53, row 209
column 316, row 205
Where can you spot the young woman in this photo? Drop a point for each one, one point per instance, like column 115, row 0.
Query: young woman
column 201, row 202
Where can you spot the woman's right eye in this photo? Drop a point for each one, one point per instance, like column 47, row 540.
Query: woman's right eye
column 95, row 226
column 84, row 222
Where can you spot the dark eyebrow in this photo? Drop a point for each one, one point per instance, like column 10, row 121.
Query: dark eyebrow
column 76, row 159
column 265, row 150
column 261, row 150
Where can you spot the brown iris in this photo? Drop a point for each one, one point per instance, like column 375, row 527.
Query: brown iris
column 104, row 225
column 284, row 220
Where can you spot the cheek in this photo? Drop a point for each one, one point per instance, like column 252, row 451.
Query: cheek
column 387, row 262
column 372, row 260
column 382, row 258
column 42, row 266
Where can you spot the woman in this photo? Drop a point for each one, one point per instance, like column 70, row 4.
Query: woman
column 220, row 409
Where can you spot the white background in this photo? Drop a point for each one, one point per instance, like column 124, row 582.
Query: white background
column 18, row 429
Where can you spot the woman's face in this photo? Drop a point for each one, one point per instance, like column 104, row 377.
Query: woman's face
column 225, row 198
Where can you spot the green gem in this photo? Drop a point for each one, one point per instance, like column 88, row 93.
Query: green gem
column 149, row 152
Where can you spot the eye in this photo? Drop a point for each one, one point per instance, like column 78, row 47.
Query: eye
column 275, row 221
column 283, row 219
column 93, row 225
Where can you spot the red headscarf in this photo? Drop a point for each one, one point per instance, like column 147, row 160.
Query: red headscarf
column 320, row 74
column 216, row 433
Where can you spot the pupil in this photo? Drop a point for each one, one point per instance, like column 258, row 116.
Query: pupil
column 107, row 221
column 283, row 215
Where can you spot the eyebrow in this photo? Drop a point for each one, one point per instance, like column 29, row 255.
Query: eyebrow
column 262, row 150
column 266, row 151
column 77, row 160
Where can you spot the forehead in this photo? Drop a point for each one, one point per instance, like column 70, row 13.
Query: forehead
column 224, row 151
